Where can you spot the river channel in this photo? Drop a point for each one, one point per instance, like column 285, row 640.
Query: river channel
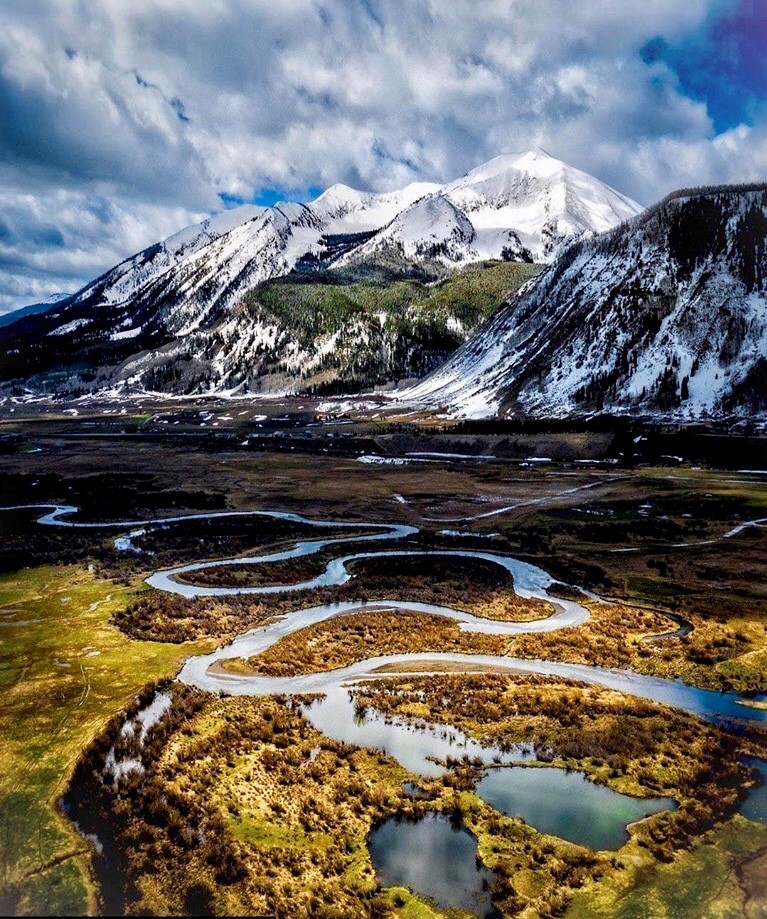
column 564, row 804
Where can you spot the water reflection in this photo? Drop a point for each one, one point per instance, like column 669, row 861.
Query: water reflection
column 754, row 806
column 567, row 804
column 435, row 857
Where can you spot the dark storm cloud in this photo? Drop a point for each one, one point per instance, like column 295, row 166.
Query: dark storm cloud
column 122, row 121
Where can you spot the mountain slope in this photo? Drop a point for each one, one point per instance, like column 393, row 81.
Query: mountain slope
column 307, row 334
column 353, row 211
column 543, row 199
column 667, row 313
column 430, row 231
column 197, row 279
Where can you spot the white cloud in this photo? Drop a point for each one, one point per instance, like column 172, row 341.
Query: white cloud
column 160, row 107
column 51, row 243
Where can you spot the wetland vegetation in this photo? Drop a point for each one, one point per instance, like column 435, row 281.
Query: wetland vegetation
column 238, row 804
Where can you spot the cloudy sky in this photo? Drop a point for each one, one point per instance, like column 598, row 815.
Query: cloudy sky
column 122, row 121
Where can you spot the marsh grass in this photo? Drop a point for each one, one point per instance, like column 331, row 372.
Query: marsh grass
column 64, row 671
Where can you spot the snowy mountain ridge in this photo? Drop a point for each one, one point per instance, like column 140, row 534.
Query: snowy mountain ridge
column 519, row 207
column 665, row 314
column 527, row 204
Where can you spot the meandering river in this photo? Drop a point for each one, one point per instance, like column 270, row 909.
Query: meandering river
column 597, row 816
column 529, row 582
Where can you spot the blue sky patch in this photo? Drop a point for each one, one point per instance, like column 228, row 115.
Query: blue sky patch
column 724, row 64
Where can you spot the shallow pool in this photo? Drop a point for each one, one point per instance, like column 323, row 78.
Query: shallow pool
column 755, row 804
column 566, row 804
column 434, row 857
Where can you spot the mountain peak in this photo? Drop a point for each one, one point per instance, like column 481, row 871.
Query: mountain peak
column 536, row 161
column 664, row 314
column 431, row 228
column 542, row 198
column 339, row 193
column 212, row 227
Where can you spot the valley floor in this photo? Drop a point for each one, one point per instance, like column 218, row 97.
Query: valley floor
column 673, row 562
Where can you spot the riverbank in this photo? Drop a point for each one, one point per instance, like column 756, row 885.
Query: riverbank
column 65, row 671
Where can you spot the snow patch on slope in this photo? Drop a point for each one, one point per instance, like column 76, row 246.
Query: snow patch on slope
column 432, row 229
column 667, row 314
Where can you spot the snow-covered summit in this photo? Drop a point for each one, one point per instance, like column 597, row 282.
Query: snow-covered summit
column 351, row 210
column 432, row 229
column 543, row 199
column 199, row 234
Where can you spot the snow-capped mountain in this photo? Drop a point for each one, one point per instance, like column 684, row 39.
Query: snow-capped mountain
column 543, row 200
column 33, row 309
column 667, row 314
column 352, row 211
column 519, row 207
column 430, row 230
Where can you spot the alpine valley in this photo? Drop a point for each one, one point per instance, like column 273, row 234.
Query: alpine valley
column 394, row 554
